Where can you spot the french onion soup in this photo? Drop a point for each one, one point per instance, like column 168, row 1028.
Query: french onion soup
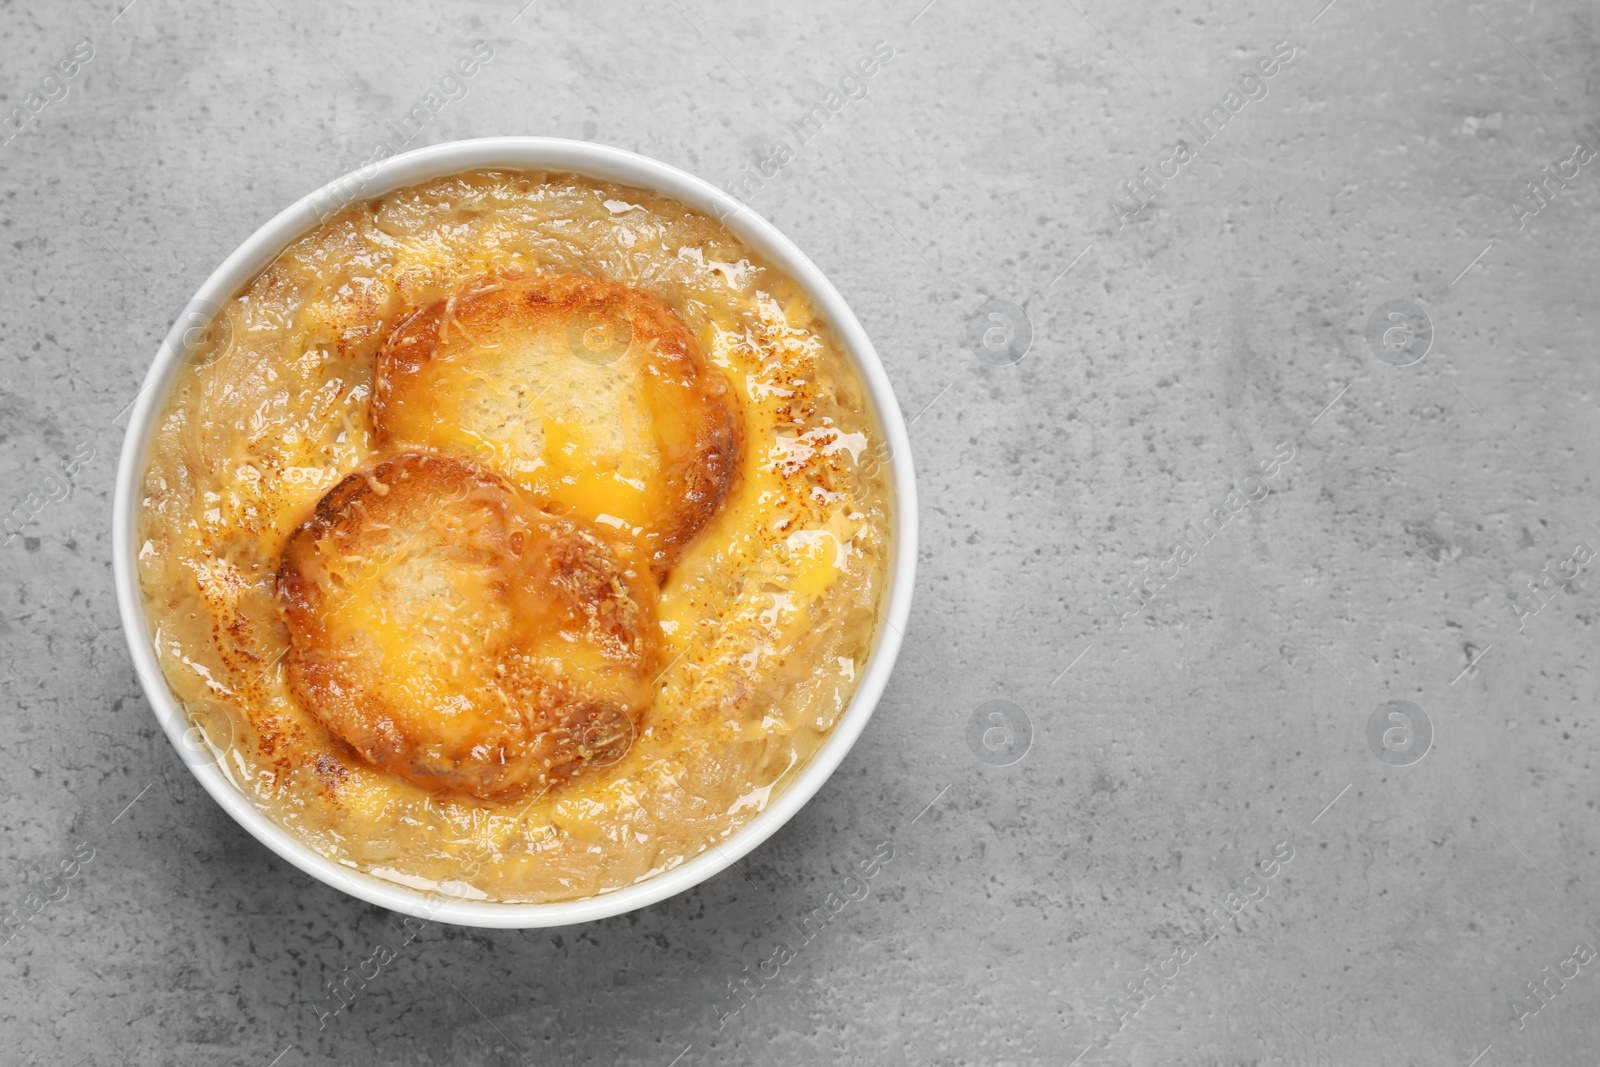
column 515, row 535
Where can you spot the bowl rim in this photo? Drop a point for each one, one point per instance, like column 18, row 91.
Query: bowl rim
column 377, row 178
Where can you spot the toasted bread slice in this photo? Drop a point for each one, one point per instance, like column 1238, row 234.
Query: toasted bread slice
column 453, row 633
column 590, row 395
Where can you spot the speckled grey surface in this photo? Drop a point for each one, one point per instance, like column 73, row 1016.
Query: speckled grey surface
column 1173, row 347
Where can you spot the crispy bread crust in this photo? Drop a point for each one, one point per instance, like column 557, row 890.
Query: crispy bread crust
column 423, row 599
column 700, row 462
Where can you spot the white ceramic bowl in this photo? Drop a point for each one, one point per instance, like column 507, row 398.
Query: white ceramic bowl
column 517, row 153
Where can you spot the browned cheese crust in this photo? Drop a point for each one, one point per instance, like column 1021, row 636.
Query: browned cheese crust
column 451, row 632
column 590, row 395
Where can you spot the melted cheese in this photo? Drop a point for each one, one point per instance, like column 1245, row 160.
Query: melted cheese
column 765, row 619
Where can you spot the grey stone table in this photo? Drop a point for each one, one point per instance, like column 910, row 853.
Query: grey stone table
column 1295, row 769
